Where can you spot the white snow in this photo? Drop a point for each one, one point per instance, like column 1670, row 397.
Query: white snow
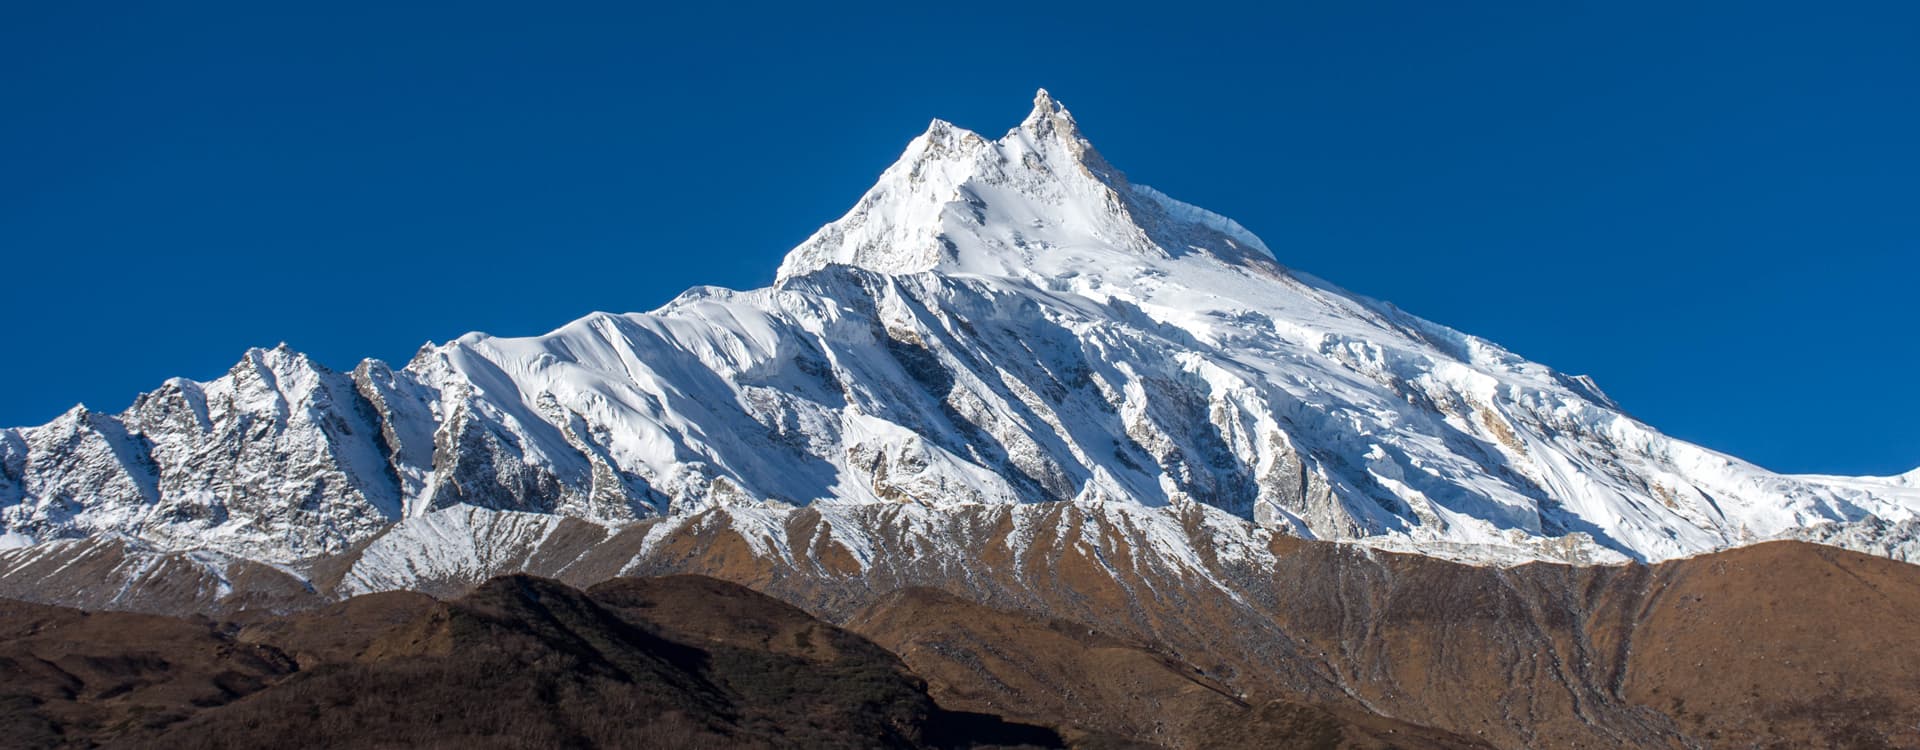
column 996, row 322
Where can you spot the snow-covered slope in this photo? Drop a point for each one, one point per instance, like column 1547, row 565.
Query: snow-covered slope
column 996, row 321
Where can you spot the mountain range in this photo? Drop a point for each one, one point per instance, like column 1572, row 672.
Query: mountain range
column 1009, row 374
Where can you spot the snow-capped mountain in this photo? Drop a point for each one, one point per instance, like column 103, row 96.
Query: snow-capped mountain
column 997, row 321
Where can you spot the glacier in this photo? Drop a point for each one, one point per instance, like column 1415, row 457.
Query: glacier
column 997, row 322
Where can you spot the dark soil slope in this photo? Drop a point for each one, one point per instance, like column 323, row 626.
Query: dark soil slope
column 73, row 678
column 519, row 662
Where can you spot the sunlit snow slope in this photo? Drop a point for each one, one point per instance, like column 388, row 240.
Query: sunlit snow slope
column 996, row 321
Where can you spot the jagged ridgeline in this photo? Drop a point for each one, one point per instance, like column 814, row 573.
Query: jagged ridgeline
column 997, row 321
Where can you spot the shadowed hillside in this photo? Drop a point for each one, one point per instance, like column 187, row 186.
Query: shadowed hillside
column 520, row 662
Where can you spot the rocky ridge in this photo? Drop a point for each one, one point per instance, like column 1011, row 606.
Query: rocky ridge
column 997, row 322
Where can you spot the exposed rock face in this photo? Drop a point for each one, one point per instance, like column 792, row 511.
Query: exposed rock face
column 278, row 455
column 1872, row 535
column 1097, row 687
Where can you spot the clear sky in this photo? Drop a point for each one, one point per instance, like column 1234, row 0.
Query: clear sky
column 1711, row 208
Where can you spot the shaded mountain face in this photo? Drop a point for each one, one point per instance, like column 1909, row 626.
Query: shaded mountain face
column 519, row 662
column 683, row 661
column 997, row 322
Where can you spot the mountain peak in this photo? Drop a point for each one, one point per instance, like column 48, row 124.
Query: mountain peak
column 1049, row 116
column 1023, row 326
column 1038, row 202
column 1043, row 101
column 1050, row 122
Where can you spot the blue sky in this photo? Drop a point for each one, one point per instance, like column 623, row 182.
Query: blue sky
column 1711, row 208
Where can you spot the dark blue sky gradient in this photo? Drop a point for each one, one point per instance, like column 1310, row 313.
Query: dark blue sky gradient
column 1712, row 209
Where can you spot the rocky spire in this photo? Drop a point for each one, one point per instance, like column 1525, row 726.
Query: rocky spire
column 1050, row 121
column 1049, row 117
